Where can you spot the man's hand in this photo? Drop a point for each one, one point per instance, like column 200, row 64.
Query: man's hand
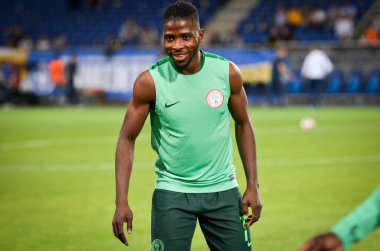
column 122, row 214
column 251, row 198
column 323, row 242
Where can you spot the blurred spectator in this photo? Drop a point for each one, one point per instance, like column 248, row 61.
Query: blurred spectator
column 286, row 34
column 112, row 44
column 316, row 67
column 344, row 27
column 56, row 69
column 233, row 40
column 59, row 42
column 14, row 34
column 345, row 20
column 71, row 70
column 57, row 77
column 348, row 9
column 294, row 18
column 318, row 18
column 280, row 16
column 149, row 37
column 129, row 32
column 215, row 39
column 226, row 40
column 332, row 14
column 281, row 75
column 273, row 36
column 11, row 83
column 43, row 44
column 306, row 12
column 370, row 35
column 278, row 34
column 3, row 89
column 26, row 43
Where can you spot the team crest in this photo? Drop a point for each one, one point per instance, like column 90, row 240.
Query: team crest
column 215, row 98
column 157, row 245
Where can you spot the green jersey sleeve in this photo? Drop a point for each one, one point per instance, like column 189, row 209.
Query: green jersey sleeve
column 361, row 222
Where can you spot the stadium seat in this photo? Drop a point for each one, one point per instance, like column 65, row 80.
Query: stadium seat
column 373, row 82
column 92, row 25
column 354, row 81
column 295, row 85
column 335, row 82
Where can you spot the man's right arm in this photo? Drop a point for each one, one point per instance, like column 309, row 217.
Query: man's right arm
column 138, row 110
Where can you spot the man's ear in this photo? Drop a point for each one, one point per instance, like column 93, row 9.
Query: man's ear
column 201, row 35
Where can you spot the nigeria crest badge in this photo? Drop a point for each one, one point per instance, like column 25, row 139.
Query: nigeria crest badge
column 157, row 245
column 215, row 98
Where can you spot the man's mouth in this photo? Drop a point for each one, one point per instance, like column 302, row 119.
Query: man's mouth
column 179, row 56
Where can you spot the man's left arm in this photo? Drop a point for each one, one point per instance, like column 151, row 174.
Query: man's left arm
column 246, row 142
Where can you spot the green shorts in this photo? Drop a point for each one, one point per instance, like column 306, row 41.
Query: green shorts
column 174, row 217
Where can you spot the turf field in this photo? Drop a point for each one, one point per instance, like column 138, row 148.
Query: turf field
column 57, row 178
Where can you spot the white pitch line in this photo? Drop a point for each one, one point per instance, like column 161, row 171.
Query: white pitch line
column 319, row 161
column 70, row 167
column 43, row 143
column 263, row 163
column 25, row 144
column 296, row 129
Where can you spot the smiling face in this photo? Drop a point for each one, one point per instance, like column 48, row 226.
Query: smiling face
column 181, row 42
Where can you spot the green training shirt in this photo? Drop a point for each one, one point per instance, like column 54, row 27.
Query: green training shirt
column 361, row 222
column 191, row 127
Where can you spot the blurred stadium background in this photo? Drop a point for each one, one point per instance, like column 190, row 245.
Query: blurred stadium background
column 114, row 40
column 56, row 154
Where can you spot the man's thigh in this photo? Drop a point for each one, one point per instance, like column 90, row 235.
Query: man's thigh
column 173, row 221
column 221, row 222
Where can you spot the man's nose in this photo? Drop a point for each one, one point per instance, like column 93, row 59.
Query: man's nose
column 177, row 44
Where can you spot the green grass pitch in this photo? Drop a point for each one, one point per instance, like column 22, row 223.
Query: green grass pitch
column 57, row 177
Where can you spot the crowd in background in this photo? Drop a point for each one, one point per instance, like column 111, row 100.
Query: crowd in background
column 286, row 20
column 10, row 81
column 17, row 37
column 340, row 18
column 61, row 74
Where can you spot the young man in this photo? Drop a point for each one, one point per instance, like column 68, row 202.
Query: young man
column 190, row 95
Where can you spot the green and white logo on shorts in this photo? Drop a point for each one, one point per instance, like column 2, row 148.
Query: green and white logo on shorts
column 157, row 245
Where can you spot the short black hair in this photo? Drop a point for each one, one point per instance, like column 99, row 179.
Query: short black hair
column 180, row 10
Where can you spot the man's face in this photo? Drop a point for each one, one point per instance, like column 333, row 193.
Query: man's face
column 181, row 43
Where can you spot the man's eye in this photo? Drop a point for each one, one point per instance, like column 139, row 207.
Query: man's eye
column 169, row 38
column 186, row 37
